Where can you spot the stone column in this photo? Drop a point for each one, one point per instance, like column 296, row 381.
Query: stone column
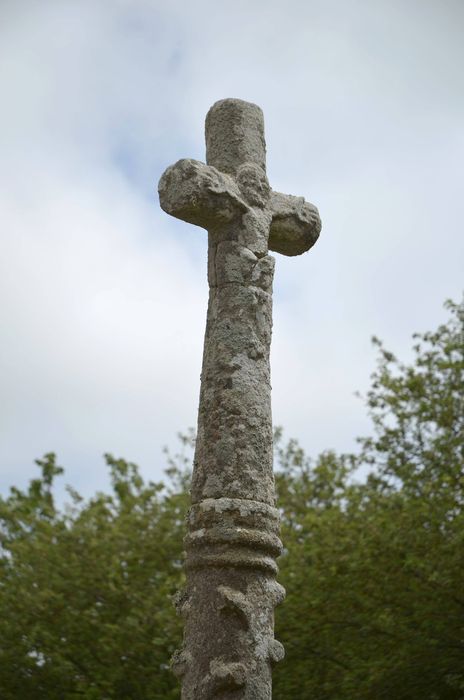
column 233, row 524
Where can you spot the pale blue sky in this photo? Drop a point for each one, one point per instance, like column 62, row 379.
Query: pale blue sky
column 104, row 297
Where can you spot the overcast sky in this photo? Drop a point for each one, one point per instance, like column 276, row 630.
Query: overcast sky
column 103, row 296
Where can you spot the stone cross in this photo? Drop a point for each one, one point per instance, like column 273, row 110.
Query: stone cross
column 233, row 524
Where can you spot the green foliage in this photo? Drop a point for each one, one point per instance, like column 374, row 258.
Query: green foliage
column 375, row 605
column 85, row 595
column 372, row 567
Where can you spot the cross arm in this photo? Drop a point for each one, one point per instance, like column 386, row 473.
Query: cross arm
column 295, row 224
column 199, row 194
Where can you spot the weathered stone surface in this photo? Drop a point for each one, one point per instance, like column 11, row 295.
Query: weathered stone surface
column 295, row 225
column 234, row 135
column 199, row 194
column 233, row 525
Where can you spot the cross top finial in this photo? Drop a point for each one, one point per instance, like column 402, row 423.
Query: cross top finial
column 234, row 134
column 234, row 181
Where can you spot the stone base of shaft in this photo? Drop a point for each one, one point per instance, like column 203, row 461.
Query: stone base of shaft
column 229, row 601
column 233, row 532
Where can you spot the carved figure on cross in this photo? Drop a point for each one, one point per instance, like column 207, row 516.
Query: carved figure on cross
column 234, row 184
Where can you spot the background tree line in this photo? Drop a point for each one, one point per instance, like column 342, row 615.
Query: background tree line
column 373, row 566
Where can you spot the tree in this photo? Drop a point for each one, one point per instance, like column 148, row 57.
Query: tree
column 373, row 565
column 85, row 595
column 374, row 569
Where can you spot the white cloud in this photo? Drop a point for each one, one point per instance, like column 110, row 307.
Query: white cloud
column 103, row 296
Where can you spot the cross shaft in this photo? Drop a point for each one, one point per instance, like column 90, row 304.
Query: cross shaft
column 233, row 536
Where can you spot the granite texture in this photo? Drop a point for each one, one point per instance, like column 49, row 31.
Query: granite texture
column 233, row 525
